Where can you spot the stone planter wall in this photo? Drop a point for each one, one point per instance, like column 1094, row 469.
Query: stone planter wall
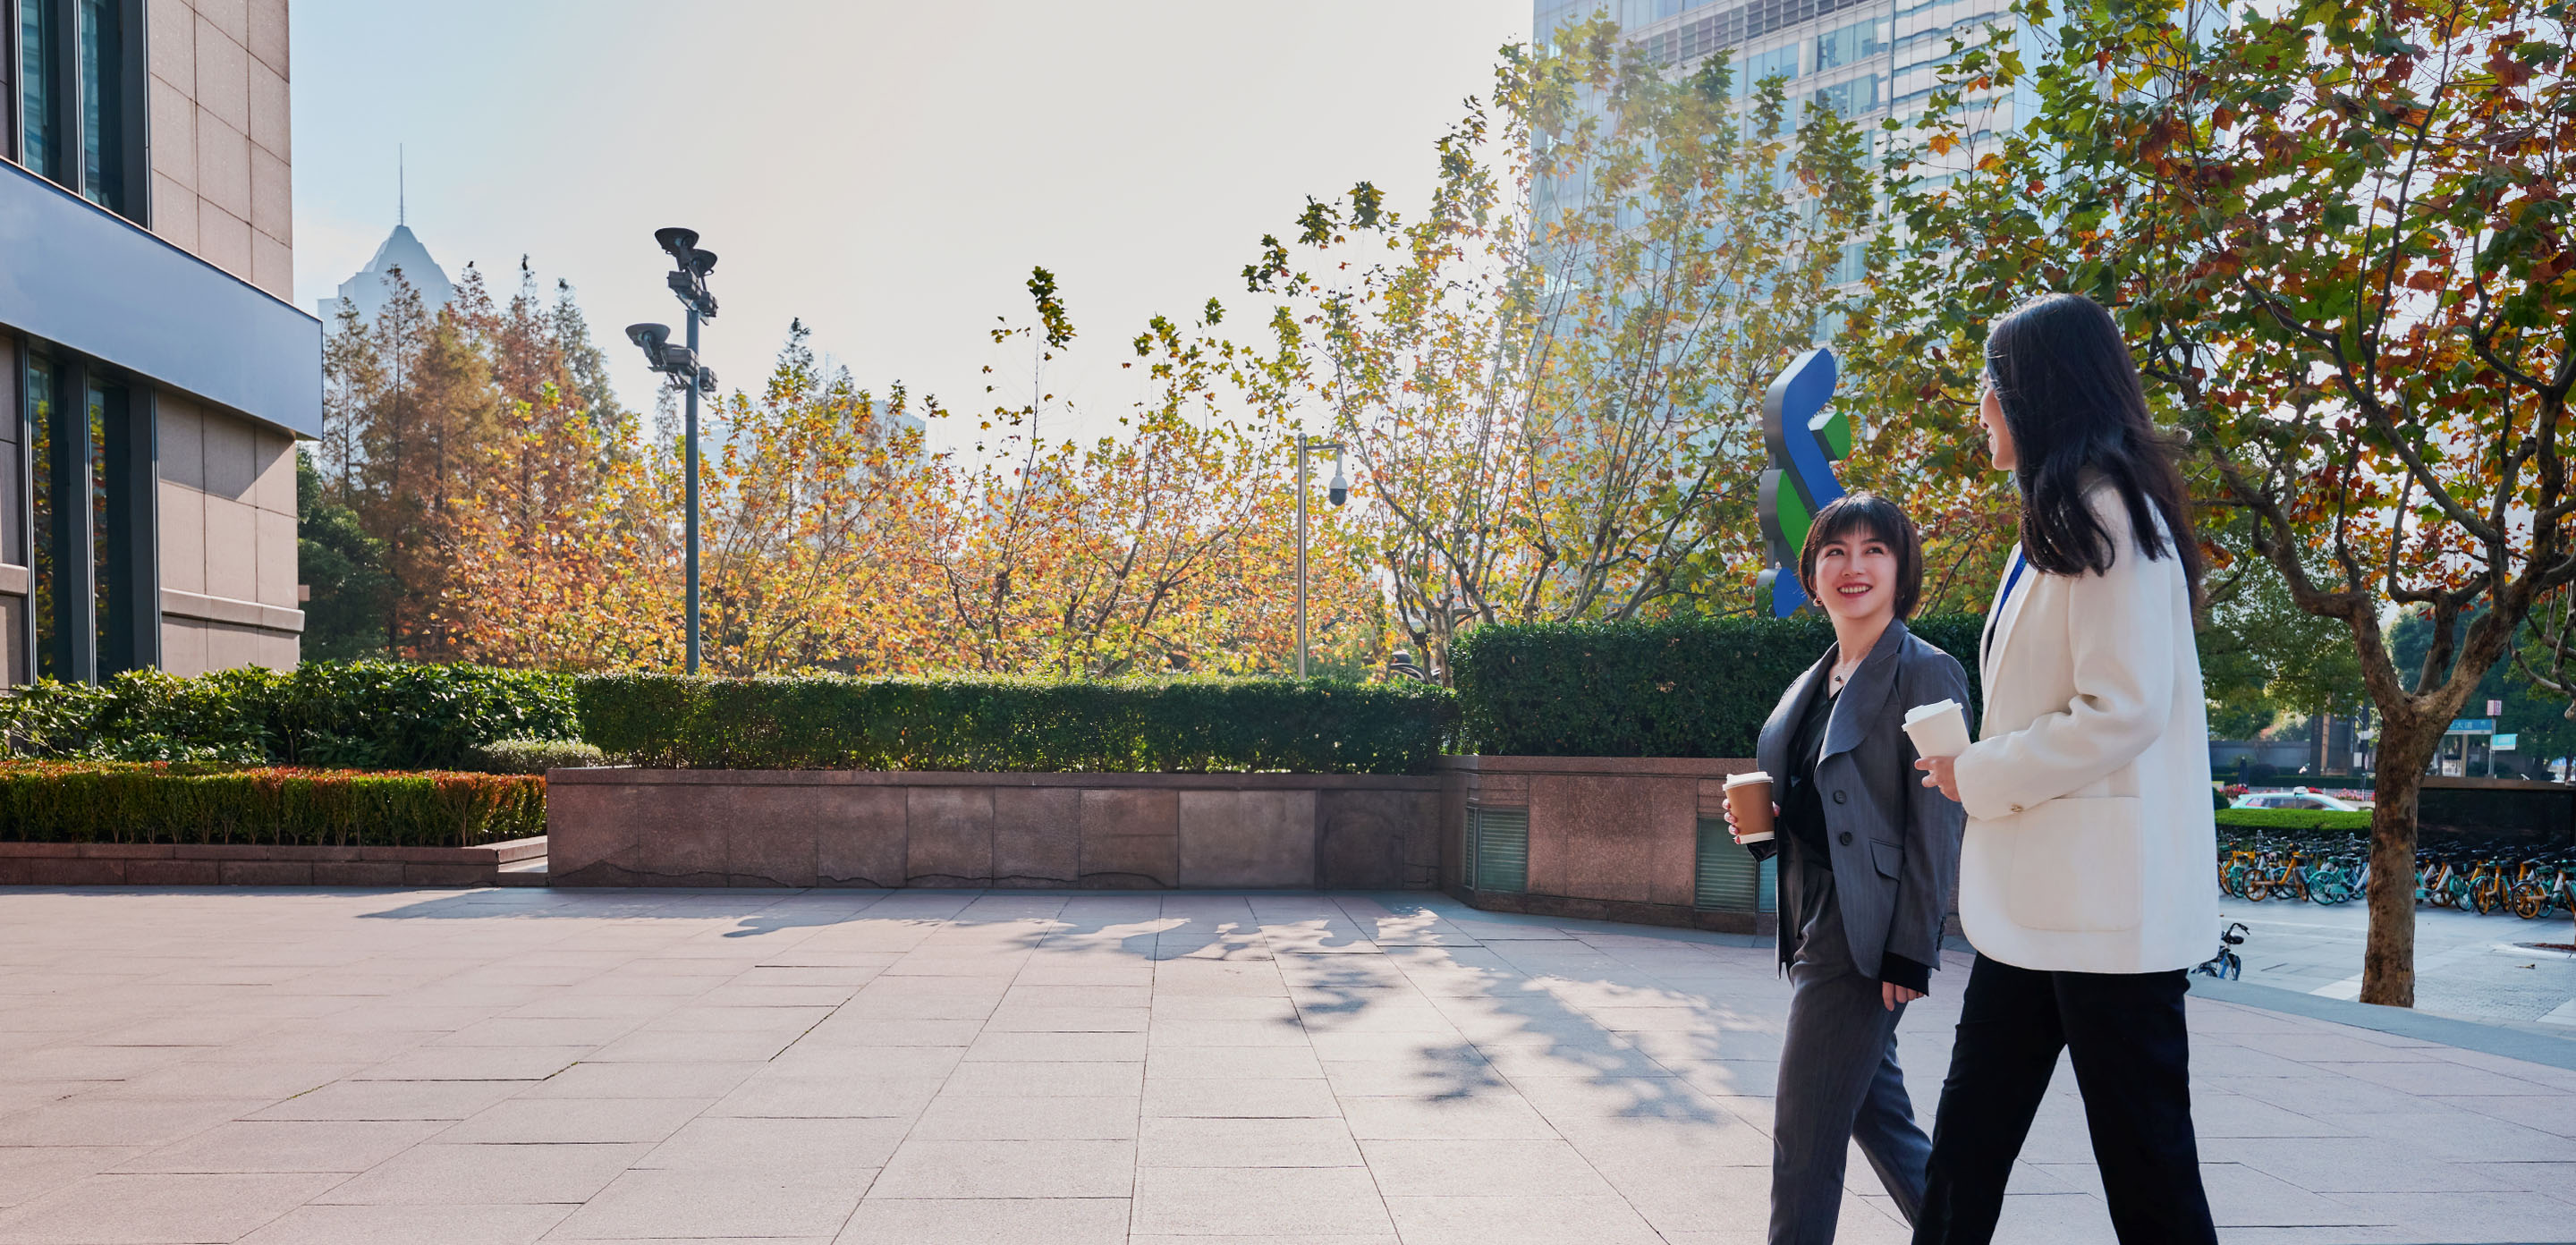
column 255, row 864
column 642, row 827
column 1610, row 838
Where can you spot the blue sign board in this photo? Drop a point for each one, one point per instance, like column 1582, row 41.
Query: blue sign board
column 2473, row 726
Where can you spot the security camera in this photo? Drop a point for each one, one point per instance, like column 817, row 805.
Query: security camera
column 1339, row 490
column 652, row 337
column 706, row 380
column 700, row 262
column 678, row 241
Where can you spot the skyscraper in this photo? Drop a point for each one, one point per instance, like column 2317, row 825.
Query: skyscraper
column 369, row 286
column 1866, row 59
column 153, row 377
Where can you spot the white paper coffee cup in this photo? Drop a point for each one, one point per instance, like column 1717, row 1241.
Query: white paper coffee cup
column 1748, row 795
column 1938, row 729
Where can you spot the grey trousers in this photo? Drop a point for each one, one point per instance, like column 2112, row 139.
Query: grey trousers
column 1839, row 1082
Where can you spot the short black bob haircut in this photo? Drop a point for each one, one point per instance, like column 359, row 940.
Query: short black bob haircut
column 1881, row 518
column 2072, row 402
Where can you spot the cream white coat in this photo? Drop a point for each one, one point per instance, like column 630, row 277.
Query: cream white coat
column 2090, row 845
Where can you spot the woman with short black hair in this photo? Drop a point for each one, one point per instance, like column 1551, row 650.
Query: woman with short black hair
column 1866, row 862
column 2088, row 882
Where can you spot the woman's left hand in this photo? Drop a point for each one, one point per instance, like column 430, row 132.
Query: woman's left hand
column 1941, row 774
column 1893, row 994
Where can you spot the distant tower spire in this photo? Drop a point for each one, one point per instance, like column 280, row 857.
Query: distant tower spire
column 402, row 192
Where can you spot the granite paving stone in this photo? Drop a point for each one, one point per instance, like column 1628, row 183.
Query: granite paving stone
column 511, row 1066
column 112, row 1209
column 663, row 1203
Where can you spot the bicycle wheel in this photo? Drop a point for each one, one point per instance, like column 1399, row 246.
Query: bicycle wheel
column 2529, row 902
column 2256, row 891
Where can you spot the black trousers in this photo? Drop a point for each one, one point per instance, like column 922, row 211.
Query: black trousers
column 2132, row 1058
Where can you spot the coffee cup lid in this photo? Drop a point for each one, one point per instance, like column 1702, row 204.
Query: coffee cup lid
column 1750, row 776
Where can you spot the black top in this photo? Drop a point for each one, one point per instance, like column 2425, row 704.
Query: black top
column 1802, row 809
column 1802, row 816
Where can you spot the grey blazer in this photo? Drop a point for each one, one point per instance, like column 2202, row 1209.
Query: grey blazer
column 1894, row 842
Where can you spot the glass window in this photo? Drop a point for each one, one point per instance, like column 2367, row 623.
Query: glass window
column 40, row 454
column 1850, row 45
column 102, row 49
column 1850, row 98
column 35, row 94
column 101, row 548
column 1778, row 61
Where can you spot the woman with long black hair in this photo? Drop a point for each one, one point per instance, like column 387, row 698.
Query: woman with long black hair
column 2087, row 882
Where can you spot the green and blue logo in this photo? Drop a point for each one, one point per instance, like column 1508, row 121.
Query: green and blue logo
column 1805, row 441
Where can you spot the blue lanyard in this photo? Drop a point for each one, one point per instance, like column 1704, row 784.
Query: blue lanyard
column 2010, row 580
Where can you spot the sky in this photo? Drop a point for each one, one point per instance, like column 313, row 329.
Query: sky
column 887, row 171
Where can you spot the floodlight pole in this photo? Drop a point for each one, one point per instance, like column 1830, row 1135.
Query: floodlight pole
column 690, row 434
column 1304, row 444
column 1301, row 557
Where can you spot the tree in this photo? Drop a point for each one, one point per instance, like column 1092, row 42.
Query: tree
column 1169, row 549
column 812, row 554
column 2336, row 238
column 2262, row 657
column 417, row 406
column 344, row 568
column 1550, row 380
column 2536, row 711
column 550, row 565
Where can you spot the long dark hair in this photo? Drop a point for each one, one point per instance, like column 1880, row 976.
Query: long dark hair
column 2072, row 402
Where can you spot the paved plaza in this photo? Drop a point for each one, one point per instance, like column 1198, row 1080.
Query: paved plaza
column 333, row 1066
column 2484, row 968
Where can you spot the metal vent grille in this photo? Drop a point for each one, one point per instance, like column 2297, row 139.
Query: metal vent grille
column 1730, row 880
column 1498, row 845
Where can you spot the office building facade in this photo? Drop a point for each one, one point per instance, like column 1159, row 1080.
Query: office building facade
column 154, row 376
column 1866, row 59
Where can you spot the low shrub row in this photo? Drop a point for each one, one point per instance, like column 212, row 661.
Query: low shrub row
column 1008, row 724
column 113, row 802
column 1695, row 687
column 534, row 756
column 2292, row 819
column 362, row 715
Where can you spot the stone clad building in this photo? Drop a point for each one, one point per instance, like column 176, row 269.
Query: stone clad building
column 154, row 375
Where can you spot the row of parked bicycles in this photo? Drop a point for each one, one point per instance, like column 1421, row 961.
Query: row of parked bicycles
column 2483, row 877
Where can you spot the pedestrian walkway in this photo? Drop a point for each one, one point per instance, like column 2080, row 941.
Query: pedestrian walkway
column 521, row 1065
column 2484, row 968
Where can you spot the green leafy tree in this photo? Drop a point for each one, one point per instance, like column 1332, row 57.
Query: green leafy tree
column 1550, row 380
column 2335, row 232
column 2534, row 710
column 2262, row 657
column 344, row 568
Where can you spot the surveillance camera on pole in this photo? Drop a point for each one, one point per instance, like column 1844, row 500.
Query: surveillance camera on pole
column 688, row 281
column 1337, row 492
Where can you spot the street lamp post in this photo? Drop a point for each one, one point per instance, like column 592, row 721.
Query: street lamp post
column 1337, row 492
column 680, row 364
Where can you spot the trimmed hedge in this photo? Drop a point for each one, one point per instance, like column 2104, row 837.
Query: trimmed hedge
column 534, row 756
column 359, row 715
column 2292, row 819
column 1012, row 724
column 1688, row 687
column 108, row 802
